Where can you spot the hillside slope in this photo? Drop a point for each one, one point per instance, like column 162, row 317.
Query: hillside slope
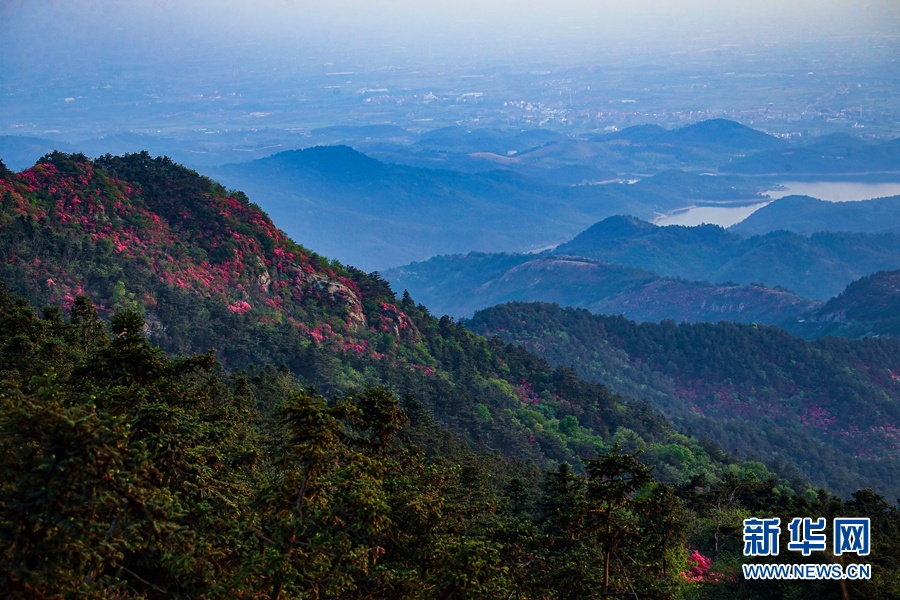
column 461, row 284
column 830, row 408
column 815, row 265
column 805, row 215
column 868, row 307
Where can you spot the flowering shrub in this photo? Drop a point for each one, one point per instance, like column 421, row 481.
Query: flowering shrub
column 240, row 307
column 700, row 569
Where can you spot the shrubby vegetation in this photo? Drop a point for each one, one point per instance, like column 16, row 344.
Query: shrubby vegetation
column 126, row 473
column 301, row 432
column 824, row 411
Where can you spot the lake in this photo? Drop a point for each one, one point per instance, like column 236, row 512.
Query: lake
column 836, row 191
column 833, row 191
column 726, row 216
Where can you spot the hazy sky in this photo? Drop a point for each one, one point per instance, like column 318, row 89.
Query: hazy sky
column 42, row 33
column 86, row 63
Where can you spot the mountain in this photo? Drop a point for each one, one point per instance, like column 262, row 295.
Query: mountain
column 634, row 152
column 829, row 407
column 695, row 146
column 724, row 134
column 817, row 265
column 720, row 134
column 830, row 155
column 129, row 472
column 399, row 213
column 20, row 152
column 805, row 215
column 209, row 270
column 868, row 307
column 461, row 284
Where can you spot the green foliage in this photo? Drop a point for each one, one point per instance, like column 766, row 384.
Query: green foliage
column 126, row 473
column 810, row 411
column 613, row 533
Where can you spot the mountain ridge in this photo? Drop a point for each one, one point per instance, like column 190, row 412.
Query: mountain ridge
column 807, row 215
column 462, row 284
column 209, row 270
column 733, row 382
column 817, row 265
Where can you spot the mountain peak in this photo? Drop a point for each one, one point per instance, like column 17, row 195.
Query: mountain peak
column 335, row 161
column 615, row 227
column 726, row 133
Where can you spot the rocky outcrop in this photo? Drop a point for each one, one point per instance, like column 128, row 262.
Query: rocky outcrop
column 338, row 293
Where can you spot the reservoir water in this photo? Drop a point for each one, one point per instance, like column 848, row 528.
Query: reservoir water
column 726, row 216
column 832, row 191
column 836, row 191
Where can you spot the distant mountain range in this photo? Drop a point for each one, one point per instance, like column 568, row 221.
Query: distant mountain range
column 407, row 196
column 399, row 213
column 802, row 214
column 623, row 265
column 542, row 154
column 551, row 156
column 818, row 266
column 461, row 284
column 716, row 145
column 716, row 135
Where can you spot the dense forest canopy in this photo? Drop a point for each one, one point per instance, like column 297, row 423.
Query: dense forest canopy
column 826, row 408
column 127, row 473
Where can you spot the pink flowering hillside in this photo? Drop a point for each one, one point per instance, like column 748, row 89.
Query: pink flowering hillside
column 141, row 232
